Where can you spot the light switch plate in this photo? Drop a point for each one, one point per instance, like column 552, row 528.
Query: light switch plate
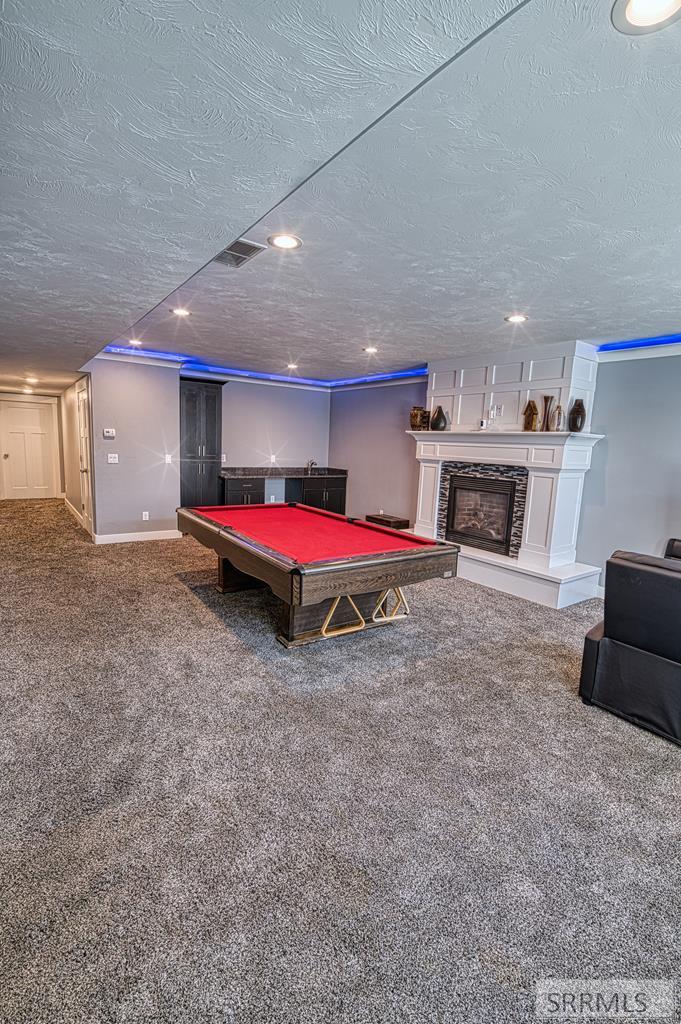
column 109, row 433
column 112, row 457
column 169, row 457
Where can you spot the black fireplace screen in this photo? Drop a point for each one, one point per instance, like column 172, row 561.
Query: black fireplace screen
column 480, row 512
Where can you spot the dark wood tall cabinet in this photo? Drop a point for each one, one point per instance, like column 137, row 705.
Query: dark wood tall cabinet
column 200, row 442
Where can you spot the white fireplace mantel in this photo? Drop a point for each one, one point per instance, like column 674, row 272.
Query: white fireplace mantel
column 545, row 569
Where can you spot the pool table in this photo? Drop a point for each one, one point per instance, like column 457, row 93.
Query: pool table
column 335, row 575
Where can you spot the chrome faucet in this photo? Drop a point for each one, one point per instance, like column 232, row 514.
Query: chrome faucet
column 308, row 466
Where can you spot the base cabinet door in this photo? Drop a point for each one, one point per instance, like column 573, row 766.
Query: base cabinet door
column 199, row 483
column 245, row 491
column 325, row 492
column 313, row 493
column 210, row 483
column 190, row 484
column 335, row 500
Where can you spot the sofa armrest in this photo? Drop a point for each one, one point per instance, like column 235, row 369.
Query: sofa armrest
column 589, row 662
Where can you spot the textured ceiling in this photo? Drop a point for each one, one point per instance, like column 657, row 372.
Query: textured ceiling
column 140, row 138
column 539, row 172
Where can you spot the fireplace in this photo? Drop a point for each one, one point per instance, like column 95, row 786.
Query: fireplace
column 480, row 512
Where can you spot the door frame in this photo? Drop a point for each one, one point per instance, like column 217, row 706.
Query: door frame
column 7, row 396
column 83, row 388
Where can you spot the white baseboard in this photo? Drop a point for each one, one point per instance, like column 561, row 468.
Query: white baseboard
column 600, row 592
column 74, row 512
column 126, row 538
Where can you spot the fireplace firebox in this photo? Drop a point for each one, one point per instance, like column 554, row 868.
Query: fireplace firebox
column 480, row 512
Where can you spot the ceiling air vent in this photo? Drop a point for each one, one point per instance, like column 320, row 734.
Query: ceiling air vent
column 240, row 251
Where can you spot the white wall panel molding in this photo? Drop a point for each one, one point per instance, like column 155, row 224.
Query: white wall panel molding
column 467, row 390
column 426, row 504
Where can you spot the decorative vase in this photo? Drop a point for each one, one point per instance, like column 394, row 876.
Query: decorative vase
column 438, row 420
column 418, row 418
column 577, row 417
column 557, row 418
column 546, row 412
column 530, row 416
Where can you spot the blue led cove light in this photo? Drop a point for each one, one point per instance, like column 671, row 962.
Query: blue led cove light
column 224, row 371
column 149, row 353
column 192, row 365
column 662, row 339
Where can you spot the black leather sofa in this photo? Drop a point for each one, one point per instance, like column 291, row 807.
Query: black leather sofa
column 632, row 660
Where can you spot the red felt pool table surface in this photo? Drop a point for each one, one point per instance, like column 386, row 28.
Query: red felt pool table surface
column 310, row 535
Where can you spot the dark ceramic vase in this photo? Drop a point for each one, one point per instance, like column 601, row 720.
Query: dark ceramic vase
column 438, row 421
column 577, row 417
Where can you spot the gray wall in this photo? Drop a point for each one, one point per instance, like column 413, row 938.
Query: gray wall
column 260, row 420
column 632, row 493
column 70, row 446
column 367, row 437
column 142, row 403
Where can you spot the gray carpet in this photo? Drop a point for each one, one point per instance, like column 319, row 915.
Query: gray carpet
column 412, row 825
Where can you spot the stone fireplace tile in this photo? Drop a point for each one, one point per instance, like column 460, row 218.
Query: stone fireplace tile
column 489, row 471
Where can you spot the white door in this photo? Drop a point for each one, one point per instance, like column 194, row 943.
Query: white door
column 27, row 450
column 84, row 449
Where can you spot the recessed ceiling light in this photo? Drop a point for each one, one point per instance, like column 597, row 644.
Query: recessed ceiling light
column 28, row 391
column 136, row 341
column 371, row 350
column 292, row 366
column 181, row 311
column 515, row 318
column 285, row 241
column 637, row 17
column 31, row 380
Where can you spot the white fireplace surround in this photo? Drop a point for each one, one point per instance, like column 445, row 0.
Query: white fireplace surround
column 546, row 569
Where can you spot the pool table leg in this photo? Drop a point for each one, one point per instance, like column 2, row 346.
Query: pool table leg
column 305, row 624
column 231, row 579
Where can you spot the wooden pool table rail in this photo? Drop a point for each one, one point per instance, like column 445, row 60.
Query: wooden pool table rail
column 309, row 583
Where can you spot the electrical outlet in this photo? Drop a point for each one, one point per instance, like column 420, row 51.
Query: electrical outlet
column 169, row 458
column 145, row 516
column 109, row 433
column 273, row 458
column 223, row 458
column 112, row 458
